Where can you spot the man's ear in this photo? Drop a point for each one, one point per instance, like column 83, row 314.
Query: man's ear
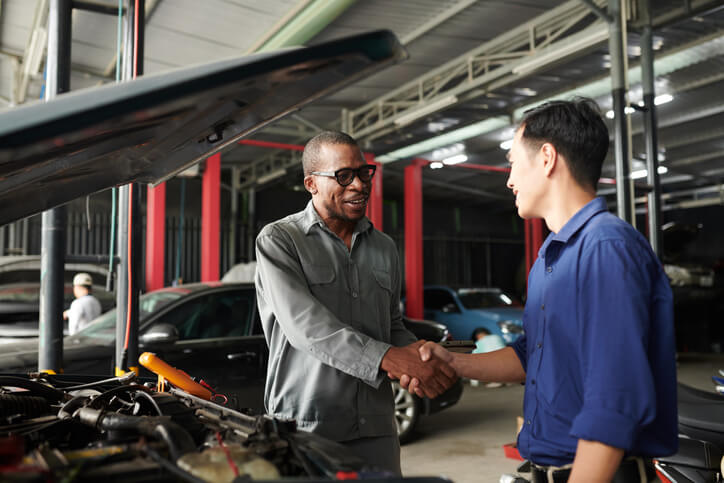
column 549, row 156
column 310, row 184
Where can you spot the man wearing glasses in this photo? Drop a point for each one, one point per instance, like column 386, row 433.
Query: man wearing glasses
column 328, row 290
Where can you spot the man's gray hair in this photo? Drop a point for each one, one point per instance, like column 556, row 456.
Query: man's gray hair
column 310, row 156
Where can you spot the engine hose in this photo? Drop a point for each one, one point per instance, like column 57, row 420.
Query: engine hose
column 34, row 387
column 28, row 406
column 177, row 439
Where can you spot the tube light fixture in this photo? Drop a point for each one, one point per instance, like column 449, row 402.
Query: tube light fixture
column 506, row 145
column 271, row 176
column 407, row 117
column 436, row 165
column 642, row 173
column 457, row 159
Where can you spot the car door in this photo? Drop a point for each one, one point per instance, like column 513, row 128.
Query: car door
column 441, row 306
column 217, row 344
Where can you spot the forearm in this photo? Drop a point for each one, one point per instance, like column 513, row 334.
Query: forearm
column 595, row 462
column 499, row 366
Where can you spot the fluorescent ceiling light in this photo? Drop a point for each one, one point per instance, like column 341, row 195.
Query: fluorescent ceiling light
column 642, row 173
column 457, row 159
column 436, row 165
column 271, row 176
column 451, row 137
column 506, row 145
column 663, row 65
column 663, row 99
column 447, row 151
column 555, row 53
column 628, row 110
column 414, row 114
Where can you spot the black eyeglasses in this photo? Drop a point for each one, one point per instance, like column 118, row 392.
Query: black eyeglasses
column 345, row 176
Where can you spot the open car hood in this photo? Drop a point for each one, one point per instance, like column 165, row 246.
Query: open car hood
column 153, row 127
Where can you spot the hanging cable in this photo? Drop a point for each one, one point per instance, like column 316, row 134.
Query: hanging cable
column 129, row 298
column 114, row 215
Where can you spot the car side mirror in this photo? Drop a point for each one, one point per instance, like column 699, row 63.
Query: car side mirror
column 159, row 335
column 450, row 308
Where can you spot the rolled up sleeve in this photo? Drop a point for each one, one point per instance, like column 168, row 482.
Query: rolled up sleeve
column 307, row 324
column 619, row 396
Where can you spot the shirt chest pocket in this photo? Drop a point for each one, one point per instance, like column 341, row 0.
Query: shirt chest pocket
column 321, row 280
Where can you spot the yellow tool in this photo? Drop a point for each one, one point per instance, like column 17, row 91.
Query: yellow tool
column 175, row 376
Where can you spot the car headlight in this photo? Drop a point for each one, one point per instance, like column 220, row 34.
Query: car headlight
column 510, row 327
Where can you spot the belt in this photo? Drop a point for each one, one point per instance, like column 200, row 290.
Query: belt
column 631, row 470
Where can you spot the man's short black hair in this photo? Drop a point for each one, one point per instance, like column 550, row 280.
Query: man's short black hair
column 310, row 156
column 577, row 131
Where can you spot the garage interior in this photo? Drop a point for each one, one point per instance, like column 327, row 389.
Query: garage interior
column 437, row 125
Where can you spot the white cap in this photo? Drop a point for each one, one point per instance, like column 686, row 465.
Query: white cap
column 83, row 279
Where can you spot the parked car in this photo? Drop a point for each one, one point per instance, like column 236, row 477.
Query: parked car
column 211, row 331
column 20, row 294
column 20, row 307
column 466, row 309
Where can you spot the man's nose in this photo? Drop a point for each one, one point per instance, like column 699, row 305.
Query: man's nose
column 357, row 183
column 509, row 183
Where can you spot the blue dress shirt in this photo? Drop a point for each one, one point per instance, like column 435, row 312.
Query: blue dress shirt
column 598, row 349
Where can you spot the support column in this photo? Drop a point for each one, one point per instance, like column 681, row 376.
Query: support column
column 52, row 253
column 210, row 222
column 374, row 206
column 155, row 236
column 414, row 274
column 619, row 86
column 251, row 224
column 650, row 132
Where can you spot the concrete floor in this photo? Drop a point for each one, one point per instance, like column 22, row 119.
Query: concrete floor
column 464, row 443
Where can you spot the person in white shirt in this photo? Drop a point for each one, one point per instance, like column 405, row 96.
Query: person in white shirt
column 85, row 307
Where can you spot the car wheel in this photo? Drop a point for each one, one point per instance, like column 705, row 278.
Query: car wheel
column 407, row 412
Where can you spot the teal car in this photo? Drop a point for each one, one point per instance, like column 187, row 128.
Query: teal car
column 465, row 310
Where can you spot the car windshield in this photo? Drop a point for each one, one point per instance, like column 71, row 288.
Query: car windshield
column 486, row 298
column 104, row 327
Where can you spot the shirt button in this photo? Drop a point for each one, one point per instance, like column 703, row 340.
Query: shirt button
column 532, row 381
column 539, row 345
column 528, row 422
column 549, row 269
column 543, row 307
column 362, row 420
column 354, row 294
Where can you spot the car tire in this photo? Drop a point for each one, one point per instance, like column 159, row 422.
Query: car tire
column 407, row 412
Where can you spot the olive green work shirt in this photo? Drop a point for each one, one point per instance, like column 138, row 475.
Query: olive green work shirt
column 329, row 315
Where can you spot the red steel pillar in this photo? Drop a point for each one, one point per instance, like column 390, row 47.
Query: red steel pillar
column 533, row 241
column 210, row 219
column 374, row 205
column 413, row 240
column 155, row 236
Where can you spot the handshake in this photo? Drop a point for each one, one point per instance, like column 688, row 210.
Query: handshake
column 423, row 368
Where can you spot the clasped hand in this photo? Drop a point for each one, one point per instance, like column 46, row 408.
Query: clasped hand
column 423, row 368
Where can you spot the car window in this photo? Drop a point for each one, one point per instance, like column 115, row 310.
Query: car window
column 486, row 299
column 221, row 314
column 104, row 327
column 436, row 299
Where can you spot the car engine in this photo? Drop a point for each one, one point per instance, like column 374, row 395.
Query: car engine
column 78, row 428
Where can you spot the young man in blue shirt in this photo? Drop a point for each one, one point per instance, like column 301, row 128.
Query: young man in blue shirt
column 598, row 354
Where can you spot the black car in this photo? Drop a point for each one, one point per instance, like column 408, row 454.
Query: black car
column 213, row 332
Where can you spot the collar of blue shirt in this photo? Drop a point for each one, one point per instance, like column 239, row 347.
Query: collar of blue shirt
column 593, row 207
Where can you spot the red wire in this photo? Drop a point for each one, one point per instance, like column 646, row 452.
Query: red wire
column 130, row 190
column 228, row 454
column 130, row 265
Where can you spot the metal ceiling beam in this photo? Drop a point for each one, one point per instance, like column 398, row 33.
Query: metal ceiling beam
column 437, row 20
column 463, row 189
column 478, row 68
column 34, row 52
